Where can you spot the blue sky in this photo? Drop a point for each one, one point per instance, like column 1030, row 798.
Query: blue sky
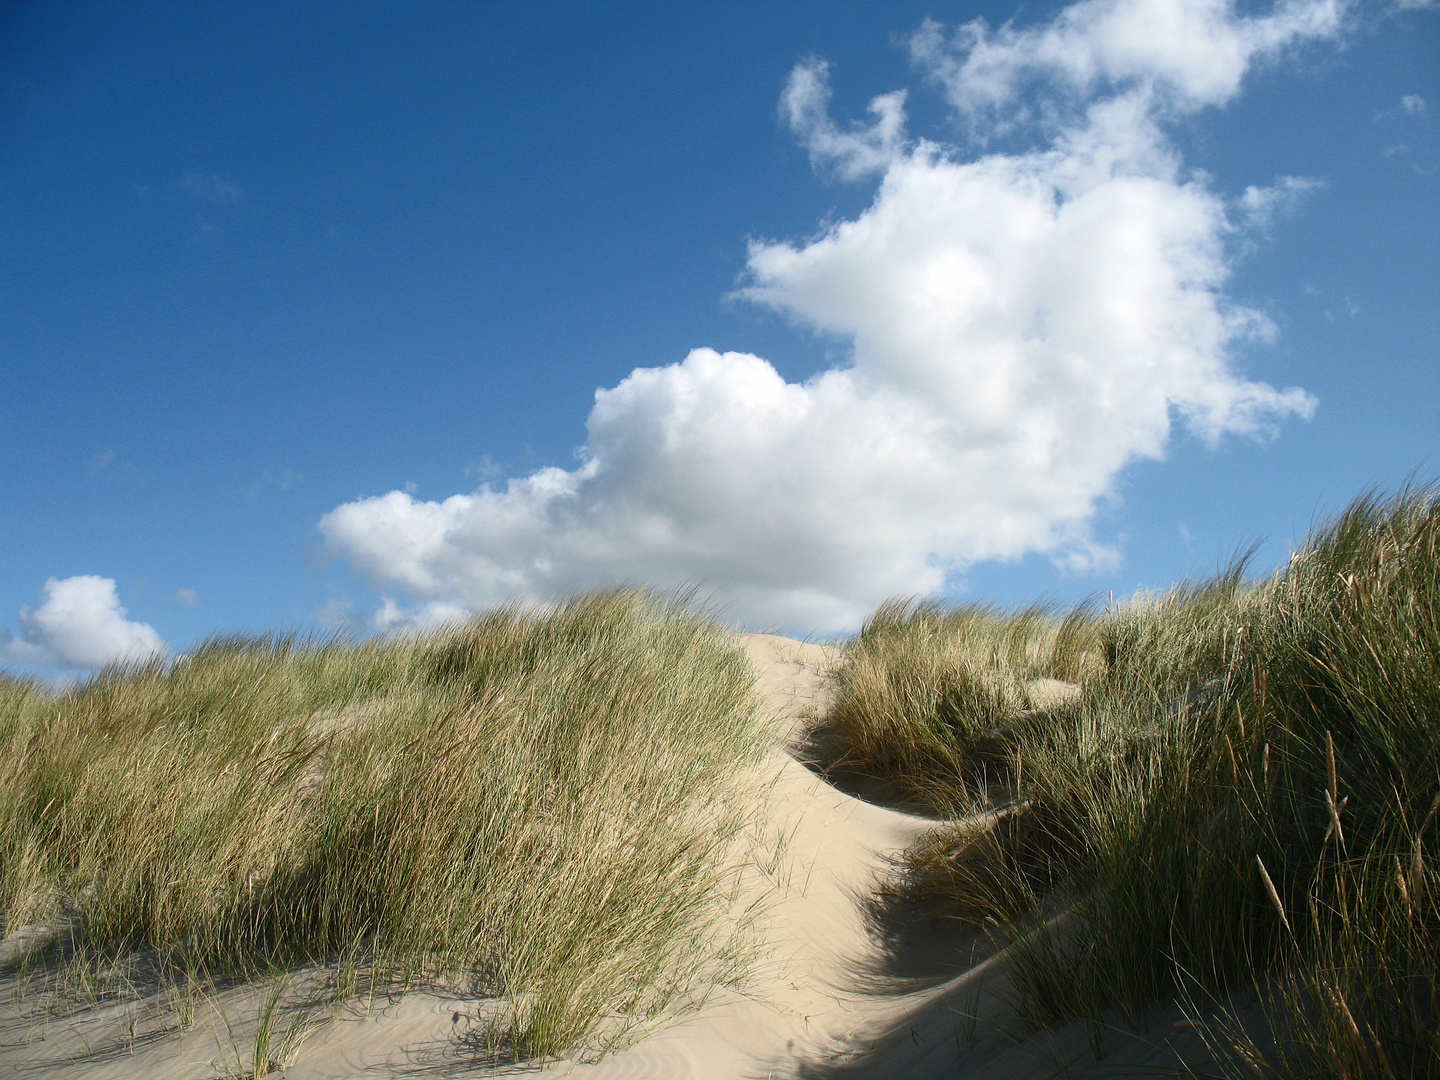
column 304, row 308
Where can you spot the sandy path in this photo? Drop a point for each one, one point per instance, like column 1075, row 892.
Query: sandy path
column 850, row 987
column 809, row 868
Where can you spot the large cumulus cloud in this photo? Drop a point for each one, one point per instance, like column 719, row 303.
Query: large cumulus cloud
column 1023, row 325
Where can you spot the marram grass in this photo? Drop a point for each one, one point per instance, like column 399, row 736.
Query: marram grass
column 924, row 690
column 531, row 805
column 1243, row 797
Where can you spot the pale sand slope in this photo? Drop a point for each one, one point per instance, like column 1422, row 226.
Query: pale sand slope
column 849, row 985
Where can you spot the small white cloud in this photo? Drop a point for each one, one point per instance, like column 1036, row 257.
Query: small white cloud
column 1188, row 53
column 185, row 597
column 1077, row 553
column 212, row 188
column 1261, row 207
column 81, row 624
column 1413, row 104
column 853, row 152
column 100, row 462
column 391, row 618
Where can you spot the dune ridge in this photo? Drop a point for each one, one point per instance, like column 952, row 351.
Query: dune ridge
column 850, row 982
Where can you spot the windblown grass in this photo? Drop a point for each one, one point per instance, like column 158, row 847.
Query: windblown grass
column 1241, row 795
column 925, row 692
column 530, row 805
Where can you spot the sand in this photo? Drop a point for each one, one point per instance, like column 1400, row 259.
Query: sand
column 851, row 983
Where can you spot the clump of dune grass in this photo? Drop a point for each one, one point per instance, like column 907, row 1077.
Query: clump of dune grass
column 1245, row 794
column 925, row 692
column 530, row 805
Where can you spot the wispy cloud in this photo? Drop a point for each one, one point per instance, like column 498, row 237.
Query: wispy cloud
column 485, row 468
column 1262, row 207
column 284, row 480
column 212, row 188
column 1183, row 54
column 1022, row 326
column 856, row 151
column 80, row 625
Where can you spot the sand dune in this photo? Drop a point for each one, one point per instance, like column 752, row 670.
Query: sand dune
column 855, row 983
column 850, row 983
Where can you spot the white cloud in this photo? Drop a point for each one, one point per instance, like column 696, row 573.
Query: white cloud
column 854, row 152
column 185, row 597
column 1191, row 52
column 1023, row 326
column 1262, row 207
column 1413, row 104
column 80, row 625
column 391, row 618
